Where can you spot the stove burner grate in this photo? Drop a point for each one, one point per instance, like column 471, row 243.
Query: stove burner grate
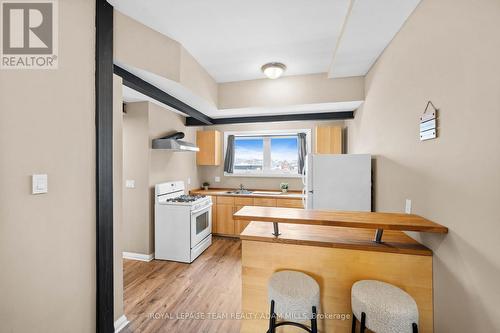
column 186, row 198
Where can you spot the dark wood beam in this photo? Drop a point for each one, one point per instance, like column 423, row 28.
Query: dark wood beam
column 342, row 115
column 134, row 82
column 104, row 166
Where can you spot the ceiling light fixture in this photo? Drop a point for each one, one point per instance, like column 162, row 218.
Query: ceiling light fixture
column 273, row 70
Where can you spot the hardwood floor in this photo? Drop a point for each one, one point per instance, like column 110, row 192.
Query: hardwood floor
column 158, row 295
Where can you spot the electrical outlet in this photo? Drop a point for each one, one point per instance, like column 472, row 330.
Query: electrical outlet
column 189, row 180
column 130, row 183
column 408, row 206
column 217, row 179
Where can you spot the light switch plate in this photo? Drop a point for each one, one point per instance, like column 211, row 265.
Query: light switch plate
column 39, row 184
column 217, row 179
column 408, row 206
column 130, row 183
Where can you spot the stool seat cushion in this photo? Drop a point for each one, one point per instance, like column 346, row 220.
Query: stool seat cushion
column 388, row 308
column 294, row 294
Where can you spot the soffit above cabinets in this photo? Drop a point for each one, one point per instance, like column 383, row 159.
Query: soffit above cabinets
column 307, row 94
column 339, row 37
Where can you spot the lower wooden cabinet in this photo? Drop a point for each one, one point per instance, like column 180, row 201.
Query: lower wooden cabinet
column 224, row 220
column 225, row 206
column 266, row 202
column 289, row 203
column 239, row 225
column 214, row 217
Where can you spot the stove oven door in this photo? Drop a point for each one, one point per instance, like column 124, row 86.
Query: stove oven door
column 201, row 224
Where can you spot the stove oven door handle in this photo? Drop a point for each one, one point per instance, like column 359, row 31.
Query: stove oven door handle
column 201, row 209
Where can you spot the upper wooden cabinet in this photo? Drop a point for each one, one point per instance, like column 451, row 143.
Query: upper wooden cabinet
column 210, row 145
column 328, row 140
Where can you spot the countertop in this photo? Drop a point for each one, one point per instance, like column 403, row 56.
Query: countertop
column 335, row 237
column 261, row 194
column 363, row 220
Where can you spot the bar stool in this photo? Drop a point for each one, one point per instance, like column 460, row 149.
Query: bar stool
column 383, row 308
column 294, row 296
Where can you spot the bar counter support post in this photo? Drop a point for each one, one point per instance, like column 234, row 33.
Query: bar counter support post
column 378, row 236
column 276, row 232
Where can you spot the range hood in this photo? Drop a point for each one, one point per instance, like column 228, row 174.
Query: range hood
column 172, row 142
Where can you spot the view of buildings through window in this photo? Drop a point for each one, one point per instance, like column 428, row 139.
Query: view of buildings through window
column 277, row 154
column 248, row 154
column 284, row 154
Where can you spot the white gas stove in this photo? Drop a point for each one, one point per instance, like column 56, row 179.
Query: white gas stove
column 183, row 223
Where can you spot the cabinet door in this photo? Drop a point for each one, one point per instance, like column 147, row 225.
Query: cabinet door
column 225, row 222
column 289, row 203
column 214, row 218
column 239, row 225
column 225, row 200
column 243, row 201
column 210, row 145
column 328, row 140
column 267, row 202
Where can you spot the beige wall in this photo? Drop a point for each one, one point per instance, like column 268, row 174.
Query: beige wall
column 168, row 165
column 290, row 90
column 143, row 122
column 136, row 226
column 142, row 47
column 208, row 173
column 117, row 195
column 447, row 52
column 194, row 77
column 47, row 241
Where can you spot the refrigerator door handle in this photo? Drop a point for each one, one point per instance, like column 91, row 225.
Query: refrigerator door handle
column 304, row 197
column 304, row 171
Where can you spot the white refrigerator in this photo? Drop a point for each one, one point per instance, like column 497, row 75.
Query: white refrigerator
column 338, row 182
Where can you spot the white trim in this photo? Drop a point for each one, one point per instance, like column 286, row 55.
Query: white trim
column 138, row 256
column 268, row 173
column 120, row 323
column 269, row 132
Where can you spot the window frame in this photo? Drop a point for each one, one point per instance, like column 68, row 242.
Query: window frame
column 266, row 172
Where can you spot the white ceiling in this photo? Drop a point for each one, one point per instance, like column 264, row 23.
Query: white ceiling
column 369, row 28
column 233, row 39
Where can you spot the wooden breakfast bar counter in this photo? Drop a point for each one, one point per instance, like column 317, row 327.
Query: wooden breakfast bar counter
column 336, row 249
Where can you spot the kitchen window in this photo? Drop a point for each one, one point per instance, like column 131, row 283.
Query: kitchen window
column 265, row 153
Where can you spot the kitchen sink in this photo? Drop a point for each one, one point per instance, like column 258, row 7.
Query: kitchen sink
column 243, row 192
column 239, row 192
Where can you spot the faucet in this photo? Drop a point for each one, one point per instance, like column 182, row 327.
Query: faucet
column 242, row 188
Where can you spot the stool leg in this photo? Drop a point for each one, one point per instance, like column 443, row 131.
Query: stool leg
column 353, row 330
column 272, row 319
column 415, row 327
column 314, row 321
column 363, row 323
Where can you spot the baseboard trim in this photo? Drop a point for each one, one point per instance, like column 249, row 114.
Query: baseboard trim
column 138, row 256
column 120, row 323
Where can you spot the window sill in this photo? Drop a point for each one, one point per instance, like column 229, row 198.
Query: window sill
column 262, row 175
